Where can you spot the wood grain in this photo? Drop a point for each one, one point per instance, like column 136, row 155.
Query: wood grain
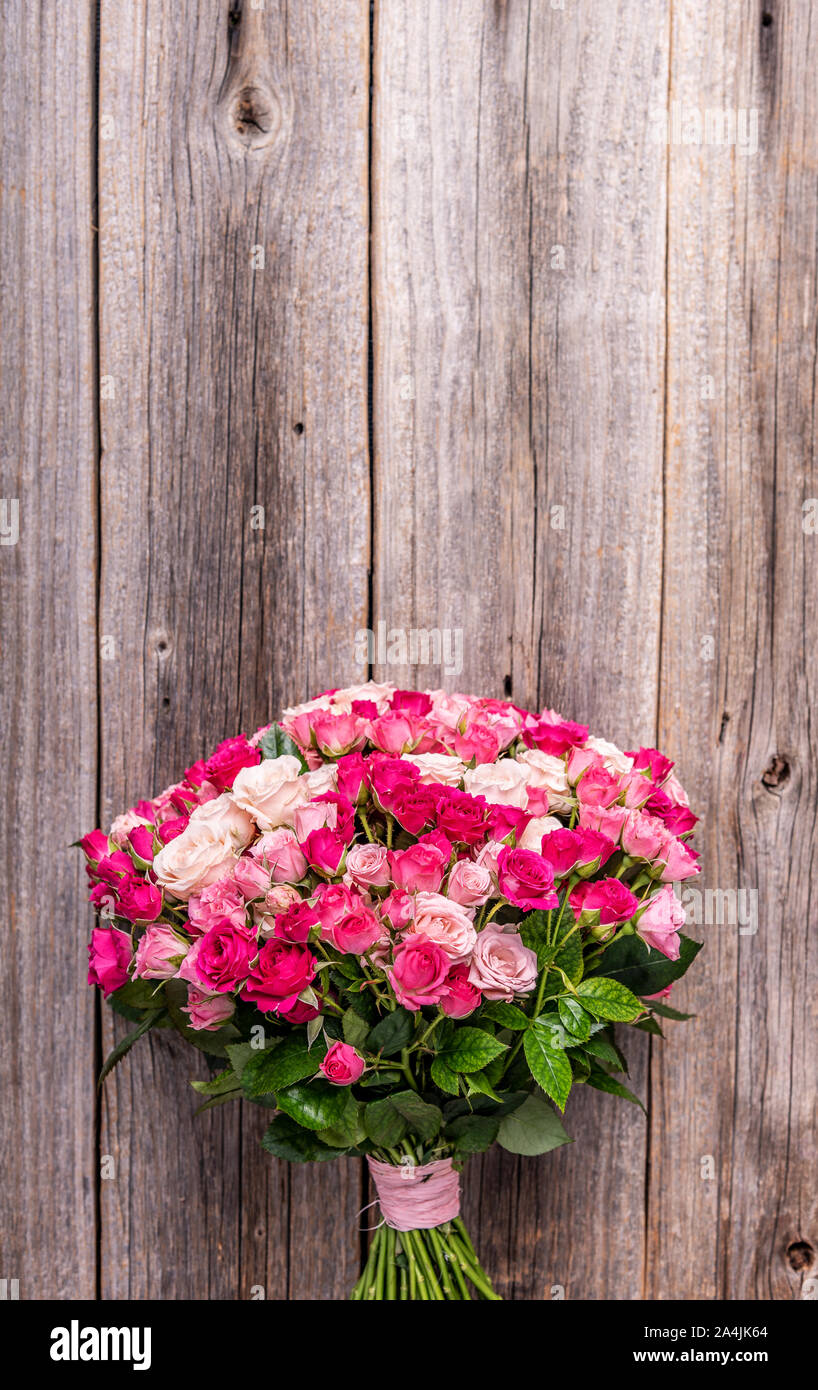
column 734, row 1119
column 518, row 271
column 48, row 695
column 233, row 323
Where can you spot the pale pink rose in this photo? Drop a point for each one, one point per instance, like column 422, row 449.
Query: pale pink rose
column 643, row 835
column 251, row 877
column 469, row 884
column 271, row 791
column 280, row 897
column 637, row 788
column 679, row 862
column 531, row 837
column 673, row 788
column 208, row 1011
column 501, row 966
column 367, row 866
column 445, row 922
column 442, row 768
column 380, row 695
column 489, row 856
column 280, row 853
column 314, row 816
column 662, row 920
column 220, row 899
column 225, row 818
column 448, row 710
column 579, row 760
column 308, row 707
column 421, row 866
column 546, row 780
column 159, row 954
column 609, row 820
column 502, row 783
column 122, row 827
column 193, row 860
column 612, row 757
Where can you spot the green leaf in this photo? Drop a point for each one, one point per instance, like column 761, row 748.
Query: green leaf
column 286, row 1139
column 381, row 1078
column 214, row 1043
column 657, row 1006
column 609, row 999
column 534, row 1128
column 649, row 1025
column 643, row 969
column 213, row 1101
column 479, row 1083
column 356, row 1029
column 445, row 1078
column 473, row 1134
column 601, row 1081
column 470, row 1049
column 315, row 1104
column 218, row 1085
column 573, row 1017
column 391, row 1033
column 534, row 931
column 600, row 1047
column 125, row 1044
column 131, row 1000
column 281, row 1066
column 384, row 1125
column 275, row 743
column 239, row 1055
column 422, row 1118
column 549, row 1065
column 507, row 1015
column 350, row 1131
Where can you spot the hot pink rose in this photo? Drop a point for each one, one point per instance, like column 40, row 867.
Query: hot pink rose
column 159, row 954
column 526, row 879
column 228, row 760
column 141, row 841
column 398, row 907
column 351, row 771
column 605, row 902
column 342, row 1065
column 109, row 955
column 501, row 965
column 463, row 818
column 411, row 702
column 139, row 900
column 94, row 846
column 478, row 741
column 367, row 866
column 561, row 850
column 660, row 923
column 283, row 970
column 355, row 932
column 650, row 760
column 295, row 923
column 332, row 902
column 207, row 1011
column 469, row 884
column 223, row 957
column 325, row 852
column 555, row 737
column 459, row 997
column 413, row 808
column 418, row 972
column 598, row 787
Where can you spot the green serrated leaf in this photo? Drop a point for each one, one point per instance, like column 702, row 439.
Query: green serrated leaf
column 533, row 1128
column 275, row 743
column 473, row 1133
column 479, row 1083
column 445, row 1078
column 286, row 1139
column 642, row 969
column 657, row 1006
column 239, row 1055
column 605, row 1051
column 391, row 1033
column 218, row 1085
column 534, row 932
column 601, row 1081
column 384, row 1125
column 470, row 1049
column 315, row 1104
column 356, row 1029
column 290, row 1061
column 609, row 999
column 125, row 1044
column 573, row 1017
column 549, row 1065
column 423, row 1119
column 507, row 1015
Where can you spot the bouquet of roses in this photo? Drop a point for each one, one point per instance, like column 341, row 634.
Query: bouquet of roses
column 407, row 922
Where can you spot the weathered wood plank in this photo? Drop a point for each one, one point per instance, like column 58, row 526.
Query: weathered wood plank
column 233, row 327
column 48, row 707
column 734, row 1122
column 518, row 273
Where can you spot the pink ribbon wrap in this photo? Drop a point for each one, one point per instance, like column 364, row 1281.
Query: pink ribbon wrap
column 416, row 1198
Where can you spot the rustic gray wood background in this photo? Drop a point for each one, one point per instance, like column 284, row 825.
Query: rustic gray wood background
column 424, row 281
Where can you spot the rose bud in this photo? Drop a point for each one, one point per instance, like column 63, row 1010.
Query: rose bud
column 343, row 1066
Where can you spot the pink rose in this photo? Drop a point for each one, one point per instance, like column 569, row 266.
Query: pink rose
column 677, row 861
column 554, row 735
column 650, row 760
column 123, row 825
column 342, row 1065
column 207, row 1011
column 355, row 932
column 283, row 970
column 561, row 850
column 598, row 787
column 418, row 972
column 413, row 808
column 139, row 900
column 206, row 849
column 445, row 922
column 223, row 957
column 333, row 901
column 608, row 820
column 526, row 879
column 367, row 866
column 251, row 877
column 478, row 741
column 141, row 842
column 159, row 954
column 411, row 702
column 459, row 997
column 546, row 781
column 337, row 734
column 229, row 758
column 643, row 835
column 295, row 923
column 351, row 773
column 109, row 955
column 421, row 867
column 469, row 884
column 501, row 965
column 279, row 851
column 94, row 846
column 316, row 815
column 660, row 923
column 605, row 902
column 398, row 907
column 396, row 732
column 219, row 900
column 325, row 852
column 462, row 818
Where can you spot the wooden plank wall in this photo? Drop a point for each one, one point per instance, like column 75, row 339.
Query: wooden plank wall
column 425, row 282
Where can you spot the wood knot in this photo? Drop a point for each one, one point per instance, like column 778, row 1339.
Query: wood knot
column 800, row 1256
column 776, row 774
column 255, row 115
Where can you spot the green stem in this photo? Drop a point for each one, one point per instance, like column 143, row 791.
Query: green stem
column 407, row 1070
column 365, row 824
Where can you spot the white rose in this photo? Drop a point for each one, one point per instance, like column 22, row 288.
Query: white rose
column 225, row 819
column 502, row 783
column 321, row 779
column 380, row 695
column 195, row 859
column 547, row 773
column 612, row 757
column 531, row 837
column 123, row 825
column 438, row 767
column 271, row 791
